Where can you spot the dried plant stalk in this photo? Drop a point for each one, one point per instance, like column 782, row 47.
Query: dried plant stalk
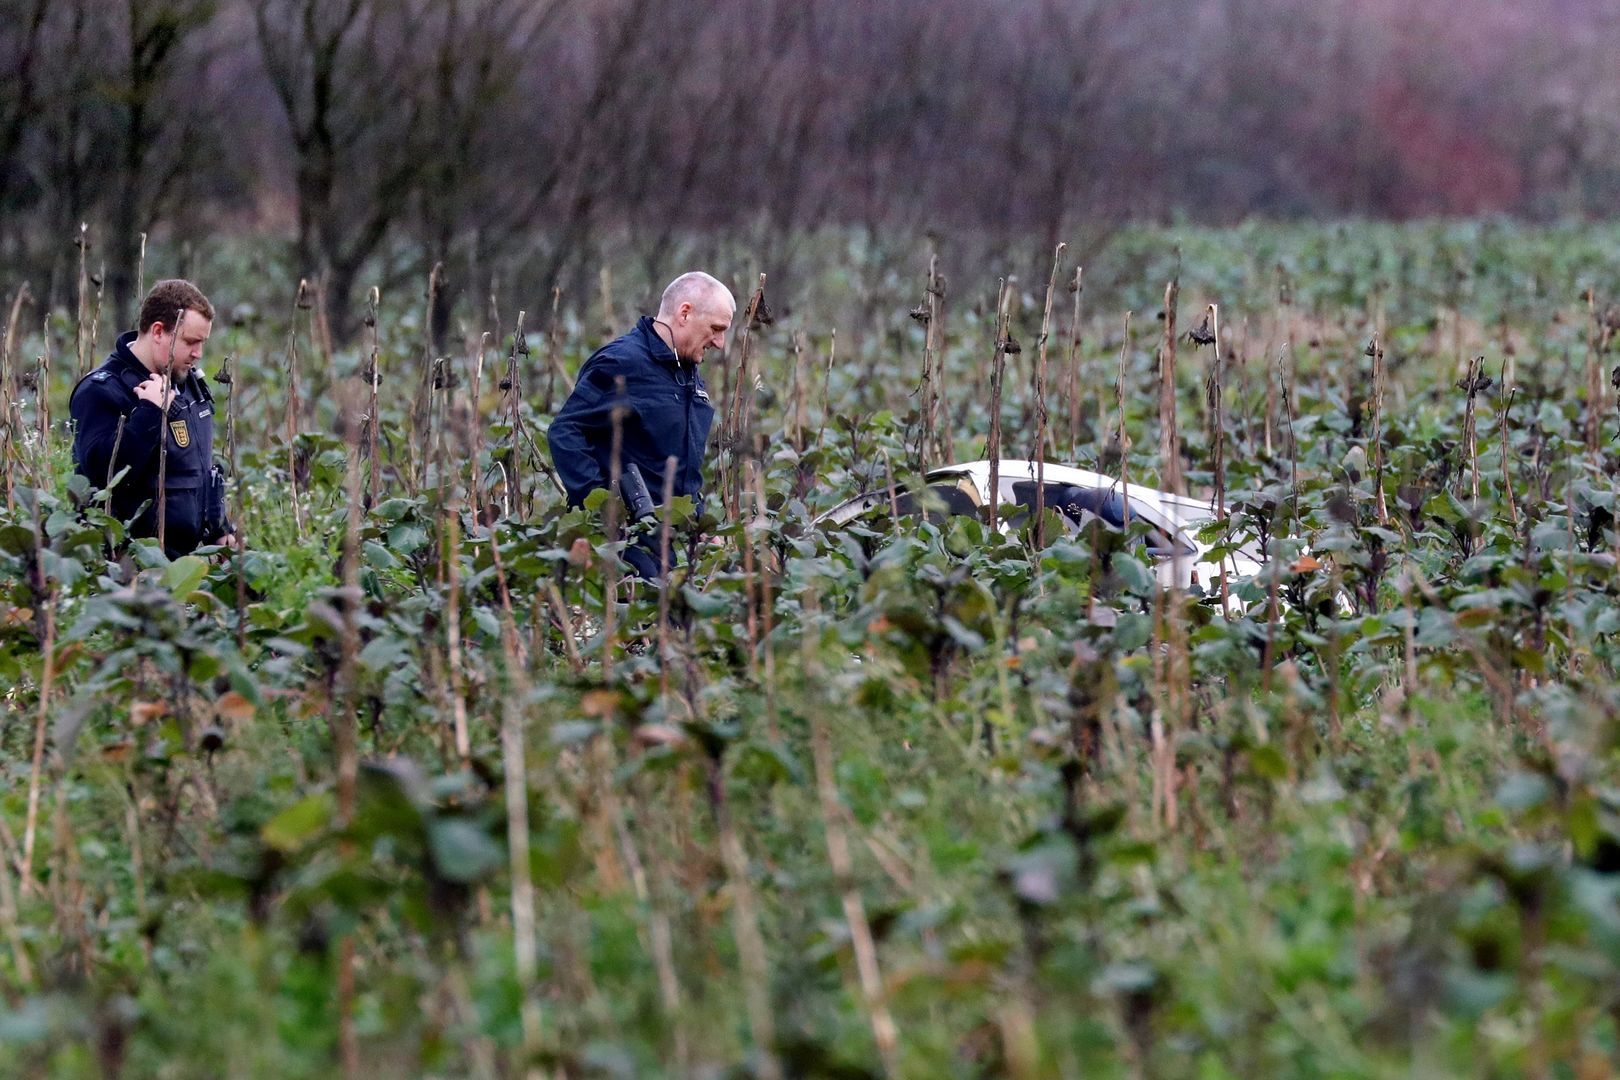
column 1071, row 386
column 47, row 683
column 826, row 388
column 1381, row 506
column 998, row 370
column 756, row 974
column 514, row 400
column 1507, row 474
column 760, row 532
column 11, row 393
column 738, row 413
column 884, row 1031
column 81, row 320
column 1123, row 438
column 1472, row 385
column 1040, row 403
column 458, row 695
column 345, row 736
column 290, row 418
column 373, row 428
column 666, row 573
column 1169, row 436
column 163, row 432
column 1594, row 377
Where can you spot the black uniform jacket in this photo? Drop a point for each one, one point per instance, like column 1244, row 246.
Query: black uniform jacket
column 194, row 511
column 667, row 414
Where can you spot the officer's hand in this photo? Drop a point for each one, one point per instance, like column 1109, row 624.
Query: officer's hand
column 227, row 548
column 152, row 390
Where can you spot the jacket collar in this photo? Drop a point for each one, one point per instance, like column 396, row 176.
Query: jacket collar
column 122, row 353
column 657, row 347
column 131, row 363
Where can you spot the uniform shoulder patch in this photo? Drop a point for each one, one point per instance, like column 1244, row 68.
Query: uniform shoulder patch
column 100, row 376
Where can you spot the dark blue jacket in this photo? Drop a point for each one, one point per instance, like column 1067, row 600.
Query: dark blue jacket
column 667, row 413
column 194, row 508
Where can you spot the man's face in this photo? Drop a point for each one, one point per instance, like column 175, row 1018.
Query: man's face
column 187, row 344
column 699, row 328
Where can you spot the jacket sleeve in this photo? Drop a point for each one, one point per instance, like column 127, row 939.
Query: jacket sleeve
column 583, row 429
column 97, row 409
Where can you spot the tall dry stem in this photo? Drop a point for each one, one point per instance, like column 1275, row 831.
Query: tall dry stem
column 1217, row 423
column 1381, row 505
column 422, row 405
column 760, row 533
column 1506, row 452
column 1169, row 435
column 554, row 358
column 513, row 386
column 514, row 771
column 930, row 444
column 42, row 385
column 458, row 685
column 826, row 388
column 100, row 280
column 1121, row 434
column 998, row 374
column 1071, row 384
column 944, row 430
column 373, row 426
column 1473, row 383
column 11, row 394
column 47, row 683
column 739, row 399
column 345, row 735
column 81, row 320
column 1041, row 420
column 163, row 432
column 610, row 569
column 290, row 416
column 796, row 406
column 873, row 993
column 1594, row 375
column 751, row 952
column 475, row 478
column 665, row 573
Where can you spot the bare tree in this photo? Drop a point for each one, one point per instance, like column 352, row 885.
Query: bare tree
column 472, row 191
column 161, row 131
column 344, row 73
column 22, row 51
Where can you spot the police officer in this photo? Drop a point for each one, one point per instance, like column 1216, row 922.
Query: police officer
column 149, row 390
column 666, row 407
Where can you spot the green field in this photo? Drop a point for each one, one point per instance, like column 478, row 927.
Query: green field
column 416, row 787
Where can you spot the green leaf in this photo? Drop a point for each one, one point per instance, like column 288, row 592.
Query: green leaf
column 461, row 851
column 1523, row 791
column 1267, row 762
column 292, row 828
column 16, row 540
column 1136, row 578
column 185, row 574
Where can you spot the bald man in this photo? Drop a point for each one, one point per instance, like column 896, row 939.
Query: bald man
column 667, row 411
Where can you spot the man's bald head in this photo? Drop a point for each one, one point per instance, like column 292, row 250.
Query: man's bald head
column 702, row 291
column 698, row 309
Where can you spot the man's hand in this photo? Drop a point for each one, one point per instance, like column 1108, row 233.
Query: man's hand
column 227, row 548
column 152, row 390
